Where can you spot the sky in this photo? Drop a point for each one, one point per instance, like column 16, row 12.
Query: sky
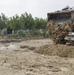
column 38, row 8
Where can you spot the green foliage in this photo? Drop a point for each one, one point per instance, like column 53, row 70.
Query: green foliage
column 28, row 21
column 12, row 36
column 23, row 22
column 3, row 21
column 40, row 23
column 15, row 23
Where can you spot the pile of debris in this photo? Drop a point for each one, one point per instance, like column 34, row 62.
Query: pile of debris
column 58, row 32
column 56, row 50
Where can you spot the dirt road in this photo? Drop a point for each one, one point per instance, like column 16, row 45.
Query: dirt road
column 20, row 58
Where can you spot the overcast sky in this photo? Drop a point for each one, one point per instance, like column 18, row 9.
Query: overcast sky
column 38, row 8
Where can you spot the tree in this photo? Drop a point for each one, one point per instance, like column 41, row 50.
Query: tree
column 3, row 21
column 16, row 23
column 25, row 21
column 28, row 21
column 40, row 23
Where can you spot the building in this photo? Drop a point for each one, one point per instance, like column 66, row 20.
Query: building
column 61, row 16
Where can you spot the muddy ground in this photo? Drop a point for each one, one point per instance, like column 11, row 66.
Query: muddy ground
column 35, row 57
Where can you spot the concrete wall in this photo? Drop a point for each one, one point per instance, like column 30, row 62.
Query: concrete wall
column 72, row 16
column 61, row 17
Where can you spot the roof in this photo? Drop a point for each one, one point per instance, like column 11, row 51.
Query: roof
column 66, row 10
column 61, row 12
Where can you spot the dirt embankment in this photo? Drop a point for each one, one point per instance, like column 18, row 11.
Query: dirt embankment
column 19, row 58
column 56, row 50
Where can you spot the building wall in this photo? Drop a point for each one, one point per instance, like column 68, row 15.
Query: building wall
column 61, row 17
column 72, row 16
